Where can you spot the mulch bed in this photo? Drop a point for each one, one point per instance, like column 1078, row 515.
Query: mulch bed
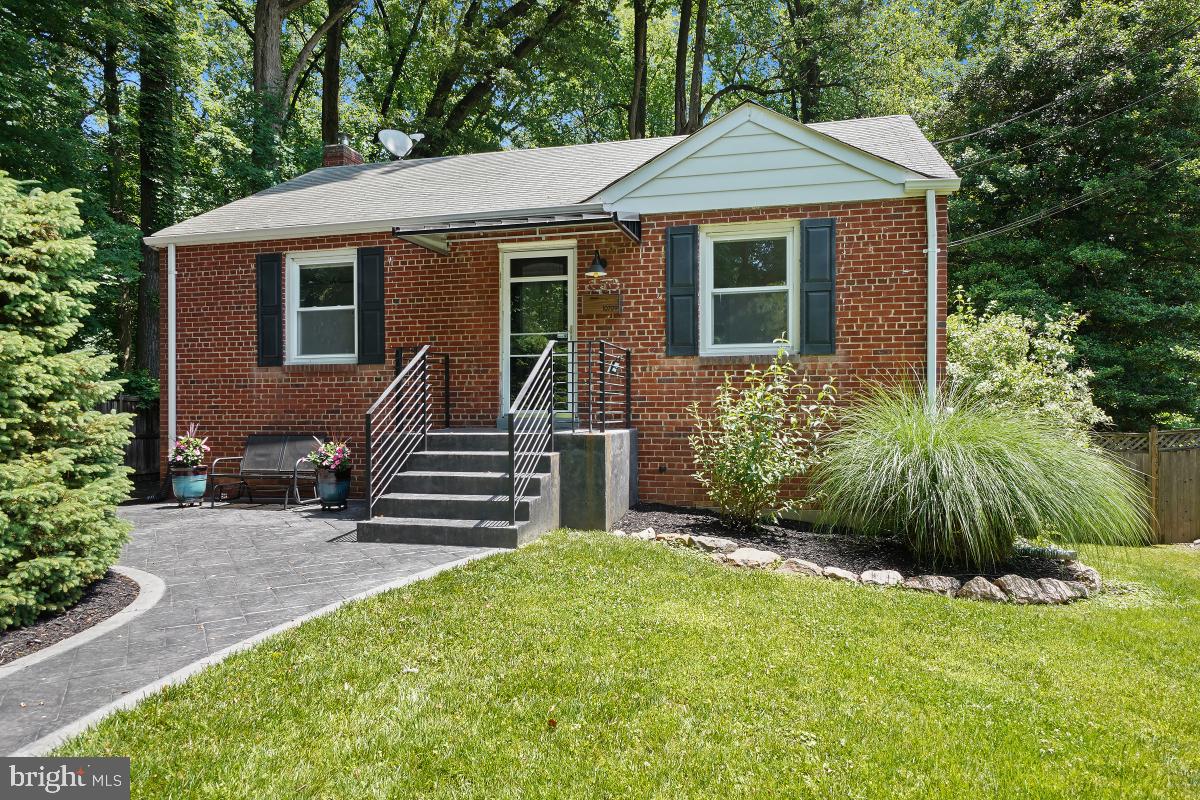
column 828, row 548
column 100, row 601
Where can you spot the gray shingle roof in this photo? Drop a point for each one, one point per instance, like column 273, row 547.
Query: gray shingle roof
column 371, row 196
column 896, row 139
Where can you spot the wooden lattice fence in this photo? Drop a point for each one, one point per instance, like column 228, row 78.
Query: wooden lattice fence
column 1170, row 462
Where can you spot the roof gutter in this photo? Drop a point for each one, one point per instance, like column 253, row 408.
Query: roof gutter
column 164, row 238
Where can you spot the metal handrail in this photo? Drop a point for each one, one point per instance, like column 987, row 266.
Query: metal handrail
column 397, row 425
column 527, row 440
column 599, row 385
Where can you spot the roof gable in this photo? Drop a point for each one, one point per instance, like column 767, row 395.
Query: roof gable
column 753, row 157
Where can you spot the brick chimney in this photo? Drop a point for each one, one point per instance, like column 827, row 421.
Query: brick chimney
column 341, row 155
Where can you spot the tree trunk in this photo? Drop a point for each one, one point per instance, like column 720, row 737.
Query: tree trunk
column 693, row 117
column 267, row 83
column 681, row 65
column 127, row 317
column 157, row 161
column 331, row 81
column 637, row 98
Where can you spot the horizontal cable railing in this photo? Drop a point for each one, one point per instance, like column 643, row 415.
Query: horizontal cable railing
column 436, row 376
column 595, row 388
column 397, row 425
column 530, row 426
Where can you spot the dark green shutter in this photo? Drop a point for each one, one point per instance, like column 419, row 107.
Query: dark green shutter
column 818, row 260
column 683, row 279
column 269, row 292
column 370, row 306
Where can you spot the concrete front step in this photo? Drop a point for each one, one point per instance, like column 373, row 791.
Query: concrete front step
column 468, row 440
column 450, row 506
column 462, row 482
column 461, row 461
column 452, row 532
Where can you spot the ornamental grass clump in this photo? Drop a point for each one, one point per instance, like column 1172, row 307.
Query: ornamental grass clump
column 760, row 435
column 959, row 482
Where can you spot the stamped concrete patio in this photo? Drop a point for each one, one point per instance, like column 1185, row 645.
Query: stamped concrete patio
column 230, row 573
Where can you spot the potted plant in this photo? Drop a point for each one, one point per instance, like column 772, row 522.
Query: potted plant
column 189, row 475
column 332, row 460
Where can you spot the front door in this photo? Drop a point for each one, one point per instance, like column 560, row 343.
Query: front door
column 537, row 304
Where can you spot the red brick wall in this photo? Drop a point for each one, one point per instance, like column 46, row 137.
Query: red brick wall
column 453, row 302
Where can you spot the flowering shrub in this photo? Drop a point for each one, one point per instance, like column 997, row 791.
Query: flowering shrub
column 187, row 452
column 331, row 455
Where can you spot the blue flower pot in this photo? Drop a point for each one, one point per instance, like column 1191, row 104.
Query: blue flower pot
column 189, row 484
column 333, row 488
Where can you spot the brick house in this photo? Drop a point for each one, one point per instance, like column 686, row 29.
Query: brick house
column 639, row 272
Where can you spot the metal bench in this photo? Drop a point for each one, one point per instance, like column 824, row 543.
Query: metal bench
column 268, row 457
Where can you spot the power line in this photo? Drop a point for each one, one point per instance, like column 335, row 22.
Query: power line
column 1065, row 205
column 1070, row 92
column 1065, row 131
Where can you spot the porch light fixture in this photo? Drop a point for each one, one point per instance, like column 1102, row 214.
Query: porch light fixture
column 598, row 268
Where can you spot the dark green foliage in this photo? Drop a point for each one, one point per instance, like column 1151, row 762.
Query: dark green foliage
column 959, row 481
column 1127, row 259
column 61, row 471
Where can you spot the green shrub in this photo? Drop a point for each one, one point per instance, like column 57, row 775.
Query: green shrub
column 958, row 481
column 1018, row 363
column 760, row 435
column 61, row 471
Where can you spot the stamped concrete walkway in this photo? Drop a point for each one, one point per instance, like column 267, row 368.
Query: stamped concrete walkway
column 230, row 573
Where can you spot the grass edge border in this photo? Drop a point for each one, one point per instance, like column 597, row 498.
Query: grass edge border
column 44, row 745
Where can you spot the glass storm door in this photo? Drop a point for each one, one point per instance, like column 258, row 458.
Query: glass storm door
column 538, row 305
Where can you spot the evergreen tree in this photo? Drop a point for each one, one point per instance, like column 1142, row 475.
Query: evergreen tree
column 61, row 470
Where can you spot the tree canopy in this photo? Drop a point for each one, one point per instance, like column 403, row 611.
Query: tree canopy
column 1075, row 118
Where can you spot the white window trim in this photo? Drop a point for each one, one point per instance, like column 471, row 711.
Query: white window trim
column 292, row 301
column 737, row 232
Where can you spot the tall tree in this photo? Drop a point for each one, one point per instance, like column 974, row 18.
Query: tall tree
column 331, row 79
column 641, row 69
column 158, row 59
column 1082, row 131
column 271, row 85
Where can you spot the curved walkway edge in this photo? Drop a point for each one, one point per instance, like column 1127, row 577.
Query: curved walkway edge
column 150, row 591
column 52, row 740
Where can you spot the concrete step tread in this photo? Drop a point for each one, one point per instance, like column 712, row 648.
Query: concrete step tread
column 470, row 498
column 425, row 473
column 436, row 522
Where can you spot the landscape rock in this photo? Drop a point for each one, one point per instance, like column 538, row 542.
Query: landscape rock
column 839, row 574
column 1084, row 574
column 714, row 543
column 1023, row 591
column 798, row 566
column 680, row 539
column 1059, row 592
column 882, row 577
column 646, row 535
column 980, row 588
column 939, row 584
column 754, row 559
column 619, row 532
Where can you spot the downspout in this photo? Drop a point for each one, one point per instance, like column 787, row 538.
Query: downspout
column 171, row 423
column 931, row 293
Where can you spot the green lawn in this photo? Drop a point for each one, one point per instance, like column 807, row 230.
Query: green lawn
column 666, row 676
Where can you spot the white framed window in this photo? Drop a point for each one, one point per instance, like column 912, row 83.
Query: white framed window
column 322, row 313
column 749, row 294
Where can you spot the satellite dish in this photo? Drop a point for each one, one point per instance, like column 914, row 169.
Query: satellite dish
column 397, row 143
